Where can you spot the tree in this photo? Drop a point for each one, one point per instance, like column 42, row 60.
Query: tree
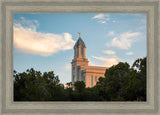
column 79, row 86
column 121, row 83
column 137, row 83
column 51, row 78
column 78, row 94
column 33, row 86
column 69, row 84
column 26, row 85
column 112, row 87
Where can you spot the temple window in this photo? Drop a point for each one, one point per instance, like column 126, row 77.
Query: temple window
column 92, row 81
column 82, row 51
column 95, row 78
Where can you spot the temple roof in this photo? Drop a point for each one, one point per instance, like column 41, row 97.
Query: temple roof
column 79, row 42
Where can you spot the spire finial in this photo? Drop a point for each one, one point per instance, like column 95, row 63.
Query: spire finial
column 79, row 34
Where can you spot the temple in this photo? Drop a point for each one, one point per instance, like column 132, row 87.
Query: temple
column 81, row 71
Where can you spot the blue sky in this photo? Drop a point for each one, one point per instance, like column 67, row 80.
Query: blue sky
column 45, row 41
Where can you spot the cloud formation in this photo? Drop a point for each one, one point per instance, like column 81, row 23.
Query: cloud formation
column 103, row 18
column 109, row 52
column 27, row 39
column 125, row 40
column 129, row 53
column 107, row 61
column 29, row 24
column 103, row 22
column 99, row 16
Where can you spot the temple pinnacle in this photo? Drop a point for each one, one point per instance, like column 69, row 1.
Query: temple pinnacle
column 79, row 34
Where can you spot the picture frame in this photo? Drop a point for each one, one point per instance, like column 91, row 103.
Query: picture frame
column 150, row 7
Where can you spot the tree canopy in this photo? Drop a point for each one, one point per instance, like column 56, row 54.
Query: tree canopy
column 121, row 83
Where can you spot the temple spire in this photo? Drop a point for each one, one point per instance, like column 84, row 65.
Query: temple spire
column 79, row 34
column 79, row 42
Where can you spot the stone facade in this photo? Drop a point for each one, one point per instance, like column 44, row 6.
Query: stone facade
column 80, row 69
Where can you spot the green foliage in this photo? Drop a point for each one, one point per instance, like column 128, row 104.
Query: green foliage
column 121, row 83
column 115, row 81
column 137, row 83
column 79, row 86
column 69, row 84
column 33, row 86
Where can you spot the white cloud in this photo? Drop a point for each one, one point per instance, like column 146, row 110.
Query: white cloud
column 99, row 16
column 129, row 53
column 30, row 24
column 103, row 18
column 107, row 61
column 109, row 52
column 111, row 33
column 125, row 40
column 102, row 22
column 27, row 39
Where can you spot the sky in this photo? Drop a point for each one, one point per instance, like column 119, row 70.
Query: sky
column 45, row 41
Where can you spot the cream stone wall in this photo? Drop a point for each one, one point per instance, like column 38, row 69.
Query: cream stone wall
column 80, row 69
column 95, row 72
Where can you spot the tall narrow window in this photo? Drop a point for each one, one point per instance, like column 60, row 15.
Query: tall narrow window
column 95, row 78
column 82, row 52
column 92, row 81
column 74, row 68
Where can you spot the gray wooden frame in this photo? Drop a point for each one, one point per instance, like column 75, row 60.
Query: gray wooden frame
column 150, row 7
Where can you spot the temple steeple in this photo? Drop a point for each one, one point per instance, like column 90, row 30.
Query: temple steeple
column 80, row 48
column 80, row 61
column 81, row 71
